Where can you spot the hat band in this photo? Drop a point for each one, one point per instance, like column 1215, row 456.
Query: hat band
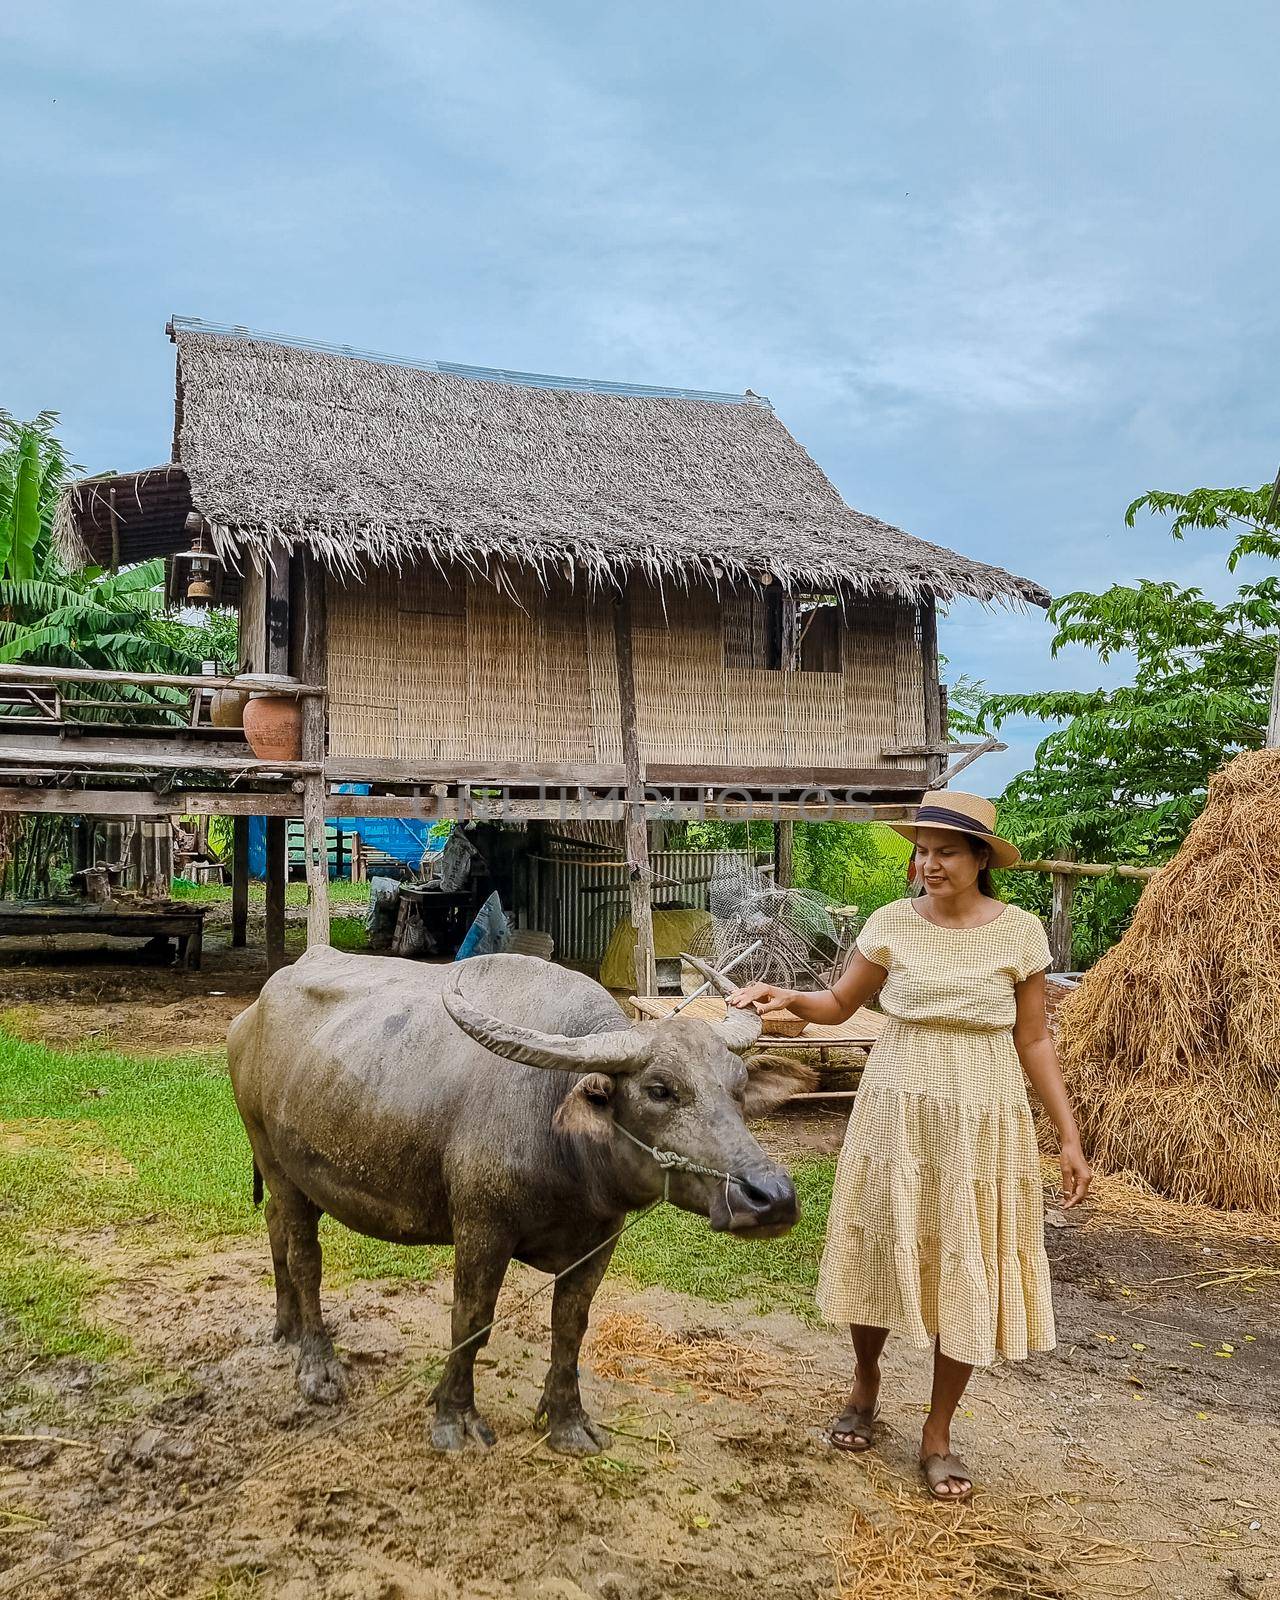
column 950, row 819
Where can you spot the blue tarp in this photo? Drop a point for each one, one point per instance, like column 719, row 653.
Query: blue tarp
column 397, row 837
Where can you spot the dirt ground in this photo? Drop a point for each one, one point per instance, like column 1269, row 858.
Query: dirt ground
column 1136, row 1459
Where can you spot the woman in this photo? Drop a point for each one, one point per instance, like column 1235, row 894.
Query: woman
column 937, row 1221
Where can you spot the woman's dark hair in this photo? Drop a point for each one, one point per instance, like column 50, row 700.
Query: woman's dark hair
column 986, row 885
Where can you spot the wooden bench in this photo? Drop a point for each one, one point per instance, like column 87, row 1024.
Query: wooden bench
column 163, row 919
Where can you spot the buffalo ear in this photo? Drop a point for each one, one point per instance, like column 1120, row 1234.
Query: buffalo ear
column 585, row 1110
column 772, row 1080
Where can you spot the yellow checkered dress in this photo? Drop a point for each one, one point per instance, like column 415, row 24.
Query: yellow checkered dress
column 937, row 1220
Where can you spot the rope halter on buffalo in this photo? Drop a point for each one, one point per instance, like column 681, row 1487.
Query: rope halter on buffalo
column 672, row 1161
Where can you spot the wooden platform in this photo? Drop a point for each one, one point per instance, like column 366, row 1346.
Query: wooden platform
column 164, row 919
column 860, row 1032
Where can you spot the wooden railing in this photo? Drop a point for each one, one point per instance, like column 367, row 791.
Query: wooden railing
column 1064, row 874
column 34, row 695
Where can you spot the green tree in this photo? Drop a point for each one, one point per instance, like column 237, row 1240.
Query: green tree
column 115, row 621
column 32, row 469
column 1125, row 775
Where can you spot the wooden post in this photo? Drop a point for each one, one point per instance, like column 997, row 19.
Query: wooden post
column 636, row 827
column 1060, row 930
column 277, row 876
column 135, row 877
column 277, row 661
column 934, row 731
column 239, row 882
column 312, row 667
column 1273, row 722
column 317, row 861
column 784, row 834
column 115, row 529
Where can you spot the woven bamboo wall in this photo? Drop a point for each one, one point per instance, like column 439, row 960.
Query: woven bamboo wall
column 426, row 669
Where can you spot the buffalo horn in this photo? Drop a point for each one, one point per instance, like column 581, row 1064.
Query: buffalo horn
column 740, row 1028
column 612, row 1053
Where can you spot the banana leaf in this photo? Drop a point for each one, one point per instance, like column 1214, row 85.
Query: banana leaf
column 26, row 510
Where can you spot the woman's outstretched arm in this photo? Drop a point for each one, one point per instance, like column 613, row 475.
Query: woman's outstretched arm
column 1039, row 1060
column 859, row 981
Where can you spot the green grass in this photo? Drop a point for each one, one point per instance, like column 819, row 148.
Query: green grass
column 94, row 1138
column 345, row 933
column 677, row 1250
column 295, row 894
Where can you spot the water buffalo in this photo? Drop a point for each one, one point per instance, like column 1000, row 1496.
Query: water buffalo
column 487, row 1105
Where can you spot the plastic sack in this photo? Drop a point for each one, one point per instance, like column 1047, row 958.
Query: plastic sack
column 488, row 934
column 384, row 906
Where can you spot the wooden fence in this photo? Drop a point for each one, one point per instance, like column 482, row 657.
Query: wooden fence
column 1065, row 874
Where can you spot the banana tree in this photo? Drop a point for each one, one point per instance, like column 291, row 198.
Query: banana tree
column 32, row 468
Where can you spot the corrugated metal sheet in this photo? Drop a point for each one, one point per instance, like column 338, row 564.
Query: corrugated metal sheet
column 522, row 380
column 579, row 903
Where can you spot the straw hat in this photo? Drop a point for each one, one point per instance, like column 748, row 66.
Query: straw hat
column 969, row 814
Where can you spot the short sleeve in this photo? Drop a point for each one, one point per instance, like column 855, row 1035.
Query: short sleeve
column 1035, row 955
column 873, row 941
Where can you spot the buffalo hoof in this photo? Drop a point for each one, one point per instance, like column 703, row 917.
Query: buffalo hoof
column 454, row 1430
column 577, row 1436
column 323, row 1382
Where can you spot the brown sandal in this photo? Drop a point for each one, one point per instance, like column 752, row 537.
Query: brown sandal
column 942, row 1469
column 852, row 1430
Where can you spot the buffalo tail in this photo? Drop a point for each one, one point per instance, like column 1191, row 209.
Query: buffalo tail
column 257, row 1185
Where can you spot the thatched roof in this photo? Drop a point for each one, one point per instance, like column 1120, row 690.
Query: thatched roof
column 367, row 460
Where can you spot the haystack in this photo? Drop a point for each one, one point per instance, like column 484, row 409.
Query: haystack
column 1171, row 1044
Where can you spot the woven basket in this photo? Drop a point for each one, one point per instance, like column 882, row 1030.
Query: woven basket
column 784, row 1025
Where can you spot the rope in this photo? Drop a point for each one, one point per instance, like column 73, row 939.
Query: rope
column 672, row 1161
column 354, row 1414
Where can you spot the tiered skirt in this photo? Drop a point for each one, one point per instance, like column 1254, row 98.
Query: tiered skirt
column 937, row 1217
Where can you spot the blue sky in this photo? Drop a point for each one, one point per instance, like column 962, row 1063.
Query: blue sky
column 999, row 267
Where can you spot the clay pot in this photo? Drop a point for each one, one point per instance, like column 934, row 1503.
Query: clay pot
column 273, row 727
column 226, row 709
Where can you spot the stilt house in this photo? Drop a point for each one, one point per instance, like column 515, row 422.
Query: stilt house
column 551, row 586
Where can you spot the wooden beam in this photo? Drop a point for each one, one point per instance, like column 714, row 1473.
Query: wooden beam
column 944, row 747
column 277, row 877
column 1273, row 721
column 661, row 774
column 495, row 774
column 113, row 919
column 933, row 728
column 149, row 680
column 63, row 801
column 987, row 747
column 313, row 666
column 73, row 758
column 635, row 823
column 595, row 775
column 239, row 882
column 1086, row 869
column 17, row 733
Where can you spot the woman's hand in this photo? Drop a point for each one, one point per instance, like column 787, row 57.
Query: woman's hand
column 1076, row 1175
column 761, row 997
